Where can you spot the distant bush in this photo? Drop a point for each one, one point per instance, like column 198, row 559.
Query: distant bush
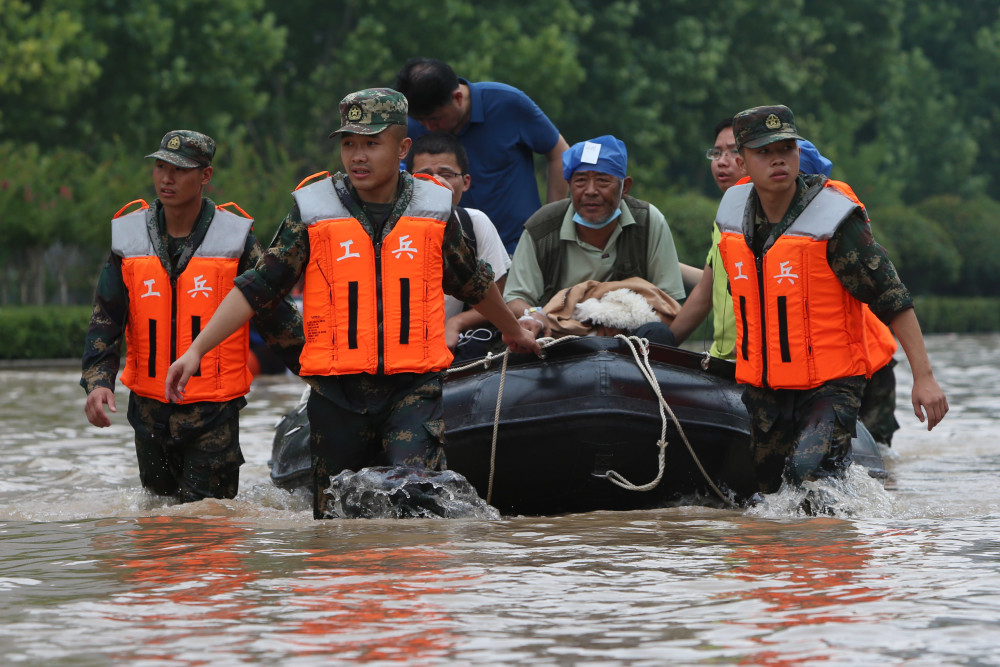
column 923, row 253
column 974, row 227
column 690, row 217
column 43, row 332
column 957, row 315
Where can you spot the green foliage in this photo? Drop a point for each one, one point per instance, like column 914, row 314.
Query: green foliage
column 957, row 315
column 901, row 95
column 43, row 332
column 974, row 225
column 47, row 59
column 340, row 47
column 924, row 254
column 259, row 182
column 690, row 217
column 133, row 69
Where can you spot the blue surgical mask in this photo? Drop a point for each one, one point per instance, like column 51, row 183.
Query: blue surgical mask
column 597, row 225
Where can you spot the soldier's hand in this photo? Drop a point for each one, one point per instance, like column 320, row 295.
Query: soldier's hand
column 523, row 343
column 928, row 396
column 178, row 375
column 94, row 407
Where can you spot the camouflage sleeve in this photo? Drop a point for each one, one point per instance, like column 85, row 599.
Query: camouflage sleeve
column 865, row 270
column 279, row 267
column 103, row 344
column 465, row 277
column 281, row 325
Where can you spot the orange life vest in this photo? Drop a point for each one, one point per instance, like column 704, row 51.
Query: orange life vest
column 796, row 325
column 165, row 316
column 879, row 339
column 373, row 307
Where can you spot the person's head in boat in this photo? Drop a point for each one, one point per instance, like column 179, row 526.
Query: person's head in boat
column 725, row 169
column 596, row 172
column 441, row 155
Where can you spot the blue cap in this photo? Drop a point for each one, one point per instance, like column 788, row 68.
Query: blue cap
column 606, row 154
column 811, row 162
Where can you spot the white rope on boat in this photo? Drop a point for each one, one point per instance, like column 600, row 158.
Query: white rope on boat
column 614, row 476
column 635, row 344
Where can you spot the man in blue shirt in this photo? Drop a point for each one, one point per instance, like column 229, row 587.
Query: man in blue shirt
column 501, row 129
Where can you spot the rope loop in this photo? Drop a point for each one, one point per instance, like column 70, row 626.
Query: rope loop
column 640, row 352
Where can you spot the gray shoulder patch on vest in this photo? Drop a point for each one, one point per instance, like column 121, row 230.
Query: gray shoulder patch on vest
column 226, row 236
column 731, row 208
column 129, row 237
column 319, row 201
column 823, row 215
column 429, row 200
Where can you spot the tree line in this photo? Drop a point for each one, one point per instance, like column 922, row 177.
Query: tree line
column 900, row 94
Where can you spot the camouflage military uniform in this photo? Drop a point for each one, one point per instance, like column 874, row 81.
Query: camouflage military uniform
column 878, row 404
column 190, row 450
column 804, row 432
column 360, row 420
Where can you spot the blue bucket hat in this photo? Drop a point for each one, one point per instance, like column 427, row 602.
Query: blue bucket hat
column 811, row 162
column 606, row 154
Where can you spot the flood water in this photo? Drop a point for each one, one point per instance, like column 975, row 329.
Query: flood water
column 94, row 571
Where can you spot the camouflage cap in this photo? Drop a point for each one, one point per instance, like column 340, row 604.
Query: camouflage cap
column 186, row 149
column 760, row 126
column 371, row 110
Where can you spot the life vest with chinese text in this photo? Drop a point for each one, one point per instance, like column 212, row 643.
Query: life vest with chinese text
column 166, row 315
column 373, row 307
column 796, row 325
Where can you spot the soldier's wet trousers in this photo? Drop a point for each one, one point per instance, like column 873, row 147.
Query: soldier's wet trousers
column 799, row 435
column 182, row 456
column 407, row 431
column 878, row 404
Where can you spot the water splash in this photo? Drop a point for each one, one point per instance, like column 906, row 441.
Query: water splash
column 398, row 492
column 854, row 495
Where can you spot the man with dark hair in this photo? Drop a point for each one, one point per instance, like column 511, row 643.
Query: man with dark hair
column 500, row 127
column 801, row 262
column 467, row 332
column 711, row 291
column 170, row 265
column 378, row 249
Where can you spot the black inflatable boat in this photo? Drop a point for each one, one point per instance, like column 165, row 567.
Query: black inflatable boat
column 586, row 409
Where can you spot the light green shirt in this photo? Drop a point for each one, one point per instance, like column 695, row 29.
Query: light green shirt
column 723, row 319
column 583, row 261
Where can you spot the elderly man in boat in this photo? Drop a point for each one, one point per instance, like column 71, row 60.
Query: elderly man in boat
column 600, row 262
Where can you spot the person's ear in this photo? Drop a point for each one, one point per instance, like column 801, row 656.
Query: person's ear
column 404, row 147
column 206, row 175
column 626, row 185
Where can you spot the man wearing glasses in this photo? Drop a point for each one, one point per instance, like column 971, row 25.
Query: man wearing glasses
column 710, row 293
column 468, row 334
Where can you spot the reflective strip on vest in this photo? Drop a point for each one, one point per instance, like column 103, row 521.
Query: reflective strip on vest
column 373, row 313
column 164, row 316
column 806, row 329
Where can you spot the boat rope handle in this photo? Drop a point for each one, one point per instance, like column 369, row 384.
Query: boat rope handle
column 634, row 343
